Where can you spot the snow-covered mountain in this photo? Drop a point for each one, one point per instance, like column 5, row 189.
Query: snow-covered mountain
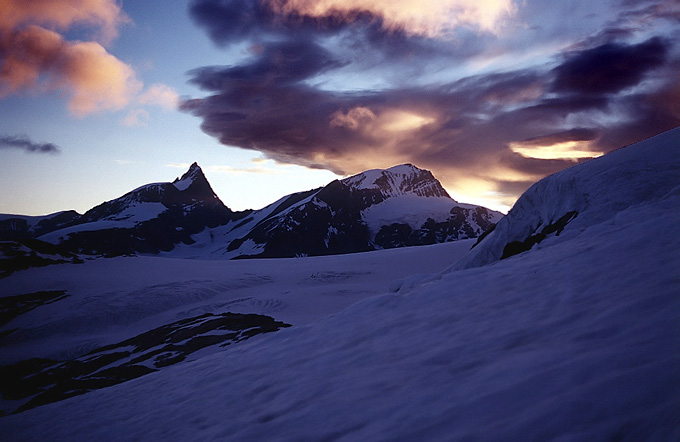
column 13, row 227
column 149, row 219
column 575, row 337
column 19, row 248
column 377, row 209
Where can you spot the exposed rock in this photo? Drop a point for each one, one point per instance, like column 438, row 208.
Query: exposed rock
column 36, row 382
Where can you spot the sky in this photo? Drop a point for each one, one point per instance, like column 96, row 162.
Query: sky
column 270, row 97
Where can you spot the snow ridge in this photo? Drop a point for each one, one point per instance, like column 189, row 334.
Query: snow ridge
column 584, row 195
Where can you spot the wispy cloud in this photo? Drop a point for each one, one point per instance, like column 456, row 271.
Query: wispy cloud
column 160, row 95
column 258, row 168
column 136, row 117
column 27, row 145
column 178, row 165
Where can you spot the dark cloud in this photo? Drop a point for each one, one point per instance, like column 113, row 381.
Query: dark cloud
column 24, row 143
column 576, row 134
column 230, row 20
column 461, row 128
column 645, row 10
column 359, row 31
column 269, row 105
column 278, row 64
column 609, row 68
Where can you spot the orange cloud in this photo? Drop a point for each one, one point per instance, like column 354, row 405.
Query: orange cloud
column 98, row 79
column 403, row 121
column 353, row 119
column 37, row 58
column 434, row 18
column 384, row 124
column 566, row 150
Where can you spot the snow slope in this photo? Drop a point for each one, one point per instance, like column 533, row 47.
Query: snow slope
column 113, row 299
column 577, row 339
column 404, row 179
column 133, row 214
column 593, row 192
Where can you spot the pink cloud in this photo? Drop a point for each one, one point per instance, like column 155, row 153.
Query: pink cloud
column 35, row 57
column 414, row 17
column 39, row 59
column 160, row 95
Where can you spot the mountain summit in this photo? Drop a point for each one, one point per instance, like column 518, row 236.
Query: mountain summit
column 398, row 180
column 194, row 186
column 190, row 176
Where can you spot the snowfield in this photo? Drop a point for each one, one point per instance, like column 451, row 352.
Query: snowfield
column 113, row 299
column 577, row 338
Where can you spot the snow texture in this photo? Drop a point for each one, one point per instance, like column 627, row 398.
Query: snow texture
column 576, row 339
column 132, row 215
column 596, row 191
column 404, row 179
column 414, row 211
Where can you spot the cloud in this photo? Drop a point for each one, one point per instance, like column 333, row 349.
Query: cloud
column 573, row 144
column 379, row 23
column 105, row 16
column 609, row 68
column 414, row 17
column 24, row 143
column 258, row 169
column 230, row 20
column 353, row 118
column 35, row 57
column 160, row 95
column 301, row 97
column 178, row 165
column 136, row 117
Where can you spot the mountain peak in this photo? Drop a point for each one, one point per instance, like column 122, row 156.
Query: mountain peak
column 403, row 179
column 193, row 174
column 406, row 168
